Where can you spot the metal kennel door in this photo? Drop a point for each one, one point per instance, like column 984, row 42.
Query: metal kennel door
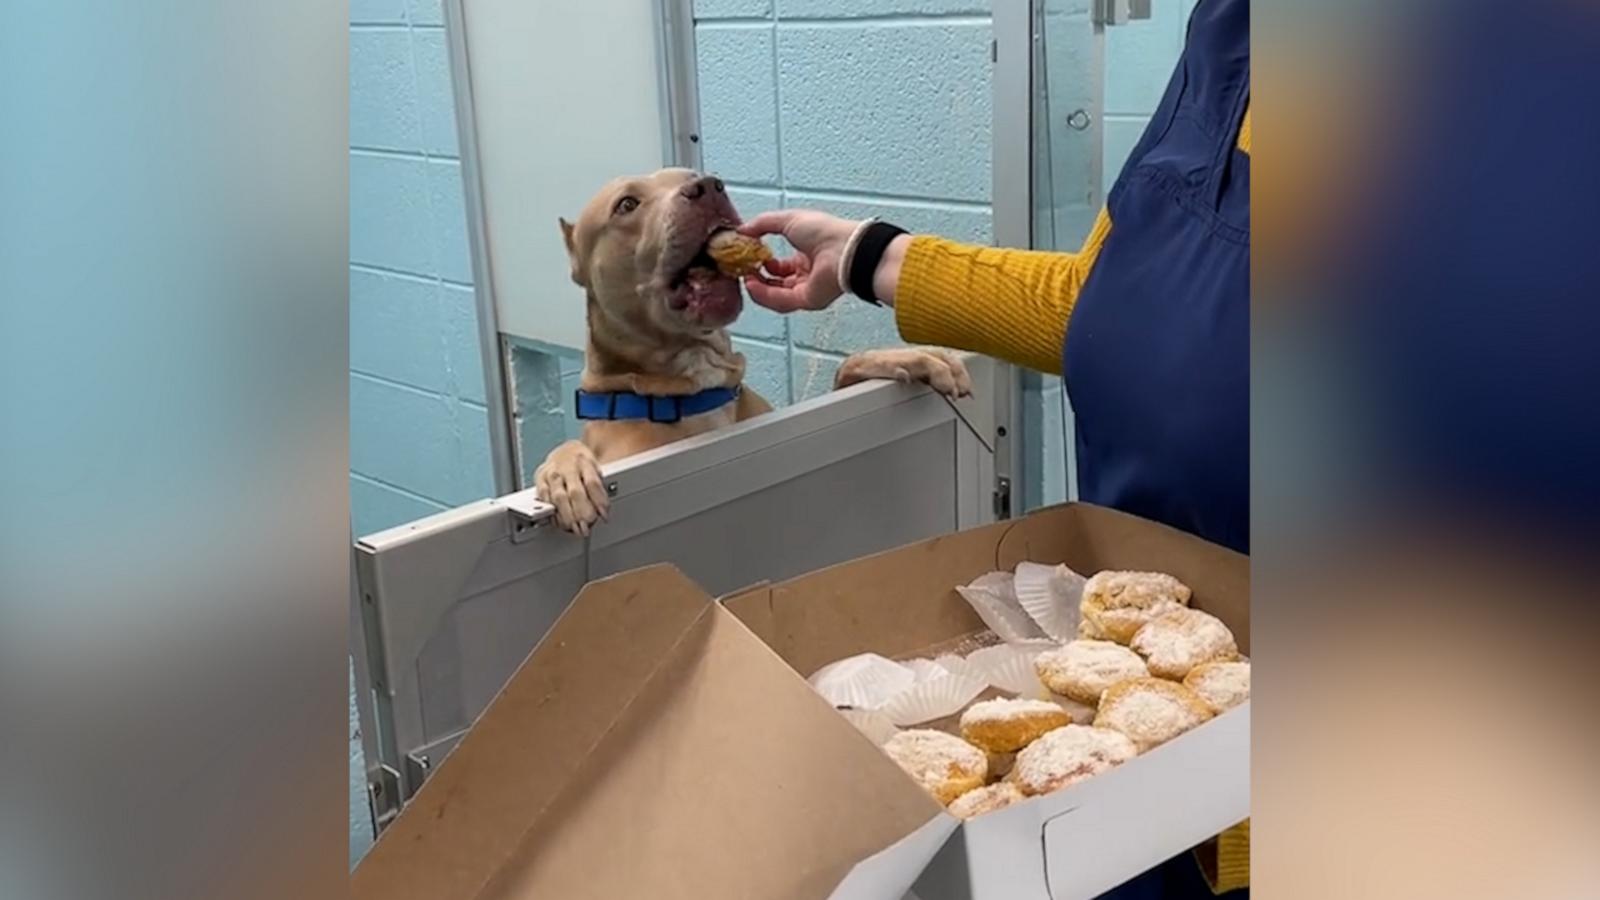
column 449, row 605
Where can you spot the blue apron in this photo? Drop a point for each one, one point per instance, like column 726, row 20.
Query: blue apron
column 1157, row 356
column 1473, row 311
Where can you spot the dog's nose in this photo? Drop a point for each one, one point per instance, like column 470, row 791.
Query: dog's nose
column 696, row 189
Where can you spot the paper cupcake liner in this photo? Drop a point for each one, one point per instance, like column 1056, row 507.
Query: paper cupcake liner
column 875, row 725
column 1050, row 595
column 866, row 681
column 925, row 669
column 934, row 699
column 993, row 597
column 950, row 662
column 1009, row 667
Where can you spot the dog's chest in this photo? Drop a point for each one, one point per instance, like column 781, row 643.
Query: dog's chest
column 704, row 366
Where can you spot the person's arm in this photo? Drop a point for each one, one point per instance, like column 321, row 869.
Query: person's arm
column 1010, row 304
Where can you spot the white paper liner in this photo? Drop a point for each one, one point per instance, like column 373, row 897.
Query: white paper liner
column 950, row 662
column 1081, row 713
column 866, row 681
column 933, row 699
column 994, row 598
column 872, row 723
column 1009, row 667
column 1050, row 595
column 926, row 669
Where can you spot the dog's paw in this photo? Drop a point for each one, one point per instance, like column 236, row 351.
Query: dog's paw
column 569, row 479
column 940, row 368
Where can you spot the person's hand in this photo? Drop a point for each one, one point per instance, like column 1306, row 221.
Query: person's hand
column 810, row 278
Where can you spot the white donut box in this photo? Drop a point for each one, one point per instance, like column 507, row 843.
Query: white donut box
column 661, row 743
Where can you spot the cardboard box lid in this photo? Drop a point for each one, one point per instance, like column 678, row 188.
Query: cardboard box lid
column 814, row 619
column 652, row 746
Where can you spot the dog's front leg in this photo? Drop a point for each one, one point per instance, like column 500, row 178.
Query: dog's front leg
column 569, row 479
column 934, row 366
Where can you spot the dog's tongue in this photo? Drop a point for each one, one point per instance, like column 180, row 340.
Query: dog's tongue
column 713, row 294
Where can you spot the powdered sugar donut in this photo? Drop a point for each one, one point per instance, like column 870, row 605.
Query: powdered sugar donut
column 1069, row 755
column 945, row 765
column 1222, row 685
column 1178, row 641
column 1089, row 631
column 1151, row 711
column 1004, row 726
column 986, row 800
column 1082, row 670
column 1119, row 603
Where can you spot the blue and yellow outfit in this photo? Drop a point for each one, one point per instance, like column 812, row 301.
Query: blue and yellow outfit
column 1149, row 323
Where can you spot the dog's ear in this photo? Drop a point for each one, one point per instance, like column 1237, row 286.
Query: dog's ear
column 567, row 231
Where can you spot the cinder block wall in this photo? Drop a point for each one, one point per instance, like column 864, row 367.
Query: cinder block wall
column 418, row 426
column 864, row 107
column 859, row 107
column 1140, row 57
column 419, row 438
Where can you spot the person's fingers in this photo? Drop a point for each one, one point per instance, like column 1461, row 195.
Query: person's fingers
column 782, row 266
column 767, row 223
column 777, row 298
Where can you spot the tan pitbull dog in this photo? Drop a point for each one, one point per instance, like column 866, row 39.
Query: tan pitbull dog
column 657, row 311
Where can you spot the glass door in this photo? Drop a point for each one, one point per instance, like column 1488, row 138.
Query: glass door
column 1099, row 68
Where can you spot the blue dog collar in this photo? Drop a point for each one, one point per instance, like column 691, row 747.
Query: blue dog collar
column 622, row 405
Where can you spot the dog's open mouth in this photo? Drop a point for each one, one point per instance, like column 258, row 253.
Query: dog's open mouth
column 701, row 267
column 701, row 290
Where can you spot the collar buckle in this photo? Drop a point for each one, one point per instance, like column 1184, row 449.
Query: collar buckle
column 663, row 410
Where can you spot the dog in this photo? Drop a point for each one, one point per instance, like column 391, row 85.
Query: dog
column 659, row 365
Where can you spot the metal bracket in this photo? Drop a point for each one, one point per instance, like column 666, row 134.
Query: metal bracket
column 1120, row 12
column 418, row 767
column 528, row 514
column 383, row 797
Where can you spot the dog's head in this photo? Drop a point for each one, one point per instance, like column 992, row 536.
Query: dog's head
column 639, row 249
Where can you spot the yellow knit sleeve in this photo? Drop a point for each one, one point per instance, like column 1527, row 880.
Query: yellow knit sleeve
column 1226, row 859
column 1009, row 304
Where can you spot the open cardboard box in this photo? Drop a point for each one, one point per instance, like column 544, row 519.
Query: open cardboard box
column 658, row 743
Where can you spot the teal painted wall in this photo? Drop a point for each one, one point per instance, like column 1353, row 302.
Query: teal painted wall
column 419, row 440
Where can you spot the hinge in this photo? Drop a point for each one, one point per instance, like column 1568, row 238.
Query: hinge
column 1002, row 498
column 383, row 797
column 1120, row 12
column 994, row 51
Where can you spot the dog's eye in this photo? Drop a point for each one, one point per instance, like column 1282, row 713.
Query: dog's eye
column 625, row 205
